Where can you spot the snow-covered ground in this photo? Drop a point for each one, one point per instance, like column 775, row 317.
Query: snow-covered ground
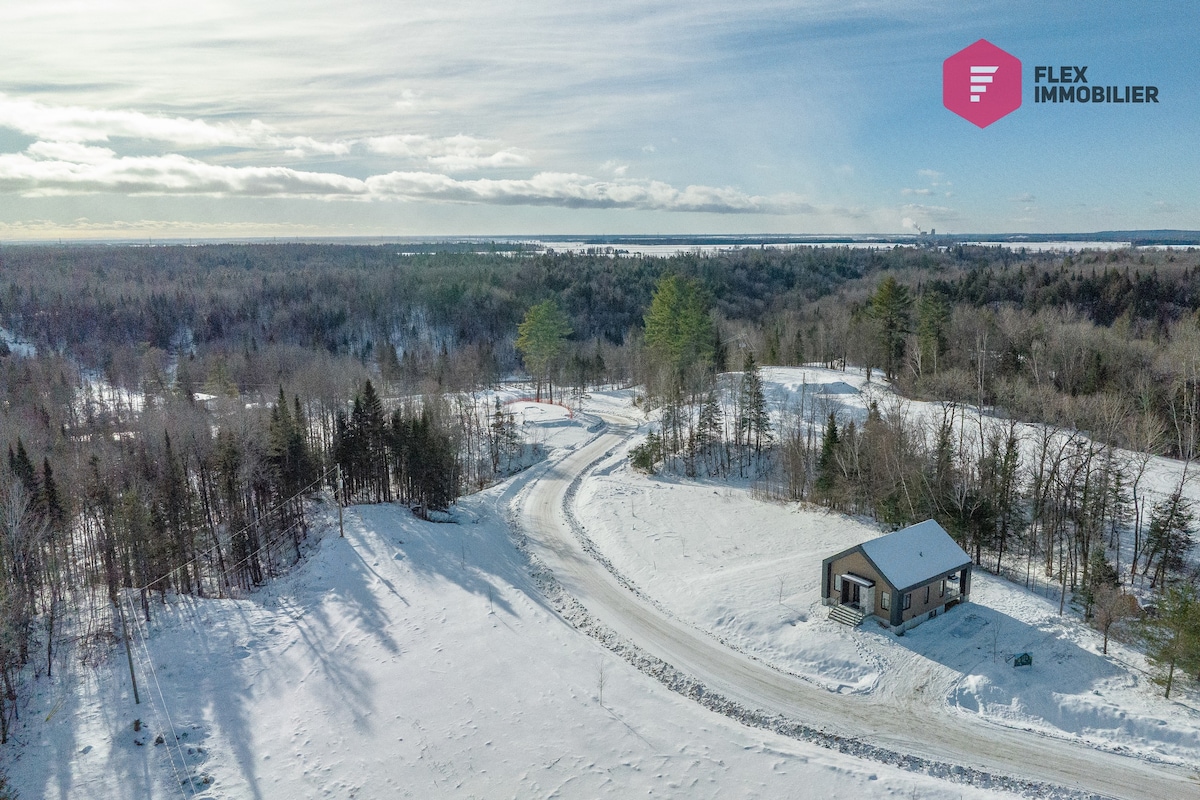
column 409, row 659
column 748, row 572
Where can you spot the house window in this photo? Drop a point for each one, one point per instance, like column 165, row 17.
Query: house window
column 927, row 595
column 942, row 591
column 885, row 601
column 907, row 601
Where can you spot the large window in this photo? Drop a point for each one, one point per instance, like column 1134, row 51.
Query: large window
column 927, row 595
column 885, row 601
column 908, row 601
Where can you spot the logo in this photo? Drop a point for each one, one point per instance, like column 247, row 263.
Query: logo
column 981, row 83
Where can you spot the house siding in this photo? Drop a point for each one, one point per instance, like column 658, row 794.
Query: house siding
column 919, row 606
column 858, row 564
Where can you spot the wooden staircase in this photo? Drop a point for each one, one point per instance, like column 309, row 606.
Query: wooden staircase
column 846, row 615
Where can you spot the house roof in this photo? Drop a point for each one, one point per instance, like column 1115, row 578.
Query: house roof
column 914, row 555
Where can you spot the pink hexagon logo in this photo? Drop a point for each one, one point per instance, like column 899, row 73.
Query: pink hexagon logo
column 981, row 83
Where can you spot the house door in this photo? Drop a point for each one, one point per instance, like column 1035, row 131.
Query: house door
column 851, row 593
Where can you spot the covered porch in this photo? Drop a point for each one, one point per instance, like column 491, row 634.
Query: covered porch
column 853, row 600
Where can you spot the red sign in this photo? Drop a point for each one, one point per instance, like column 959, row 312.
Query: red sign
column 981, row 83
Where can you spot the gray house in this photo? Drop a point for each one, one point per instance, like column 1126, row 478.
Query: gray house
column 901, row 579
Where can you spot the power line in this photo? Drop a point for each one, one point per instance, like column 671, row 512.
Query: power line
column 214, row 548
column 166, row 711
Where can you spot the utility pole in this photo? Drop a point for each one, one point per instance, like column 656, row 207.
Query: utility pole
column 128, row 652
column 341, row 500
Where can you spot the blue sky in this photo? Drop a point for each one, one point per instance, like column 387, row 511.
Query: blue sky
column 233, row 118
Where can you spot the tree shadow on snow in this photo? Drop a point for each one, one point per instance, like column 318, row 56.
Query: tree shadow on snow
column 980, row 644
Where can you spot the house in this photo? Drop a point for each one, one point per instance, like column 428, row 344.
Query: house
column 902, row 579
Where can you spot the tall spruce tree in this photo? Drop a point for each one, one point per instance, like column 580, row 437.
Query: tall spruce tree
column 933, row 329
column 891, row 308
column 826, row 480
column 754, row 421
column 679, row 333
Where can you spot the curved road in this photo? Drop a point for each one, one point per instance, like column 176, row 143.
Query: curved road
column 918, row 728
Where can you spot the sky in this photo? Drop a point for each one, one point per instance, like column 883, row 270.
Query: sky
column 134, row 119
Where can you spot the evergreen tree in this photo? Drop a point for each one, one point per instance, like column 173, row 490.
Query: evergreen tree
column 374, row 442
column 175, row 512
column 49, row 501
column 503, row 441
column 708, row 428
column 541, row 338
column 1101, row 574
column 645, row 455
column 754, row 421
column 679, row 333
column 891, row 307
column 1173, row 635
column 933, row 329
column 1169, row 537
column 827, row 462
column 22, row 468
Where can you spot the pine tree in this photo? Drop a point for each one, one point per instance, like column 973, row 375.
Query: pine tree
column 754, row 421
column 933, row 329
column 827, row 461
column 1169, row 537
column 175, row 510
column 1173, row 635
column 891, row 307
column 22, row 468
column 375, row 455
column 541, row 338
column 1101, row 574
column 679, row 333
column 708, row 428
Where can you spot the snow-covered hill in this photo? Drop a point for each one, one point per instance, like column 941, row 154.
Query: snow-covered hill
column 409, row 659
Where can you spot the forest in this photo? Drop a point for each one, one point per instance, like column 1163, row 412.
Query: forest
column 174, row 414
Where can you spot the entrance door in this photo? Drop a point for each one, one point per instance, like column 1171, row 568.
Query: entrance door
column 855, row 595
column 851, row 593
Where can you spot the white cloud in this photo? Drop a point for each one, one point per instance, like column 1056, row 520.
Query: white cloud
column 571, row 190
column 63, row 132
column 40, row 173
column 451, row 153
column 170, row 174
column 84, row 228
column 81, row 125
column 927, row 213
column 70, row 151
column 923, row 192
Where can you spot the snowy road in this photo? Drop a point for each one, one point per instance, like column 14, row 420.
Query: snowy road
column 920, row 726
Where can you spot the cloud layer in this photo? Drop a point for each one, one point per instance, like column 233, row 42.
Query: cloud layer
column 58, row 168
column 66, row 159
column 630, row 116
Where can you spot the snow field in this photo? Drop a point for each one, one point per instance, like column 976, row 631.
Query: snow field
column 409, row 659
column 748, row 572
